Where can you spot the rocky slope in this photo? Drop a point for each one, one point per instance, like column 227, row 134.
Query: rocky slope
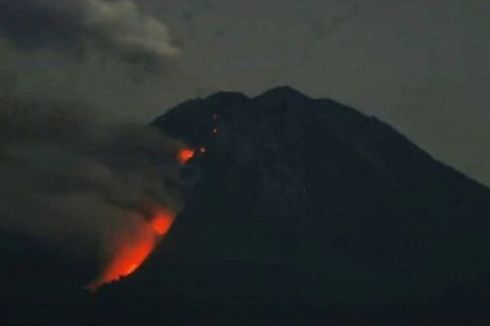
column 304, row 210
column 300, row 211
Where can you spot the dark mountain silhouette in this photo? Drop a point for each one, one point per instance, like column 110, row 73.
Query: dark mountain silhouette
column 304, row 211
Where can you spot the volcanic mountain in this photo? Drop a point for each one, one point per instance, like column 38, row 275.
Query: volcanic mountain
column 304, row 211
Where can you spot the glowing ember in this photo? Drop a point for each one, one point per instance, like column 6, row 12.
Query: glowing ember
column 131, row 269
column 134, row 249
column 185, row 155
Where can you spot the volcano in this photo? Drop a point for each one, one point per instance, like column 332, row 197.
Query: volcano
column 304, row 211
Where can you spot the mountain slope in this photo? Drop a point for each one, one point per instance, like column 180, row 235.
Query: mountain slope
column 299, row 211
column 304, row 210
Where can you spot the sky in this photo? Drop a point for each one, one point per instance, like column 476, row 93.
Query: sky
column 419, row 65
column 422, row 66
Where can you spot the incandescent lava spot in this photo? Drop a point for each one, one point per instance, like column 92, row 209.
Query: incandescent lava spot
column 162, row 222
column 184, row 155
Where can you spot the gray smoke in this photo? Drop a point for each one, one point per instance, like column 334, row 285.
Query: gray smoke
column 118, row 27
column 73, row 167
column 110, row 55
column 66, row 176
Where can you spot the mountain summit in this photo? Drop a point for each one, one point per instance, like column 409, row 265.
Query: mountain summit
column 306, row 208
column 299, row 211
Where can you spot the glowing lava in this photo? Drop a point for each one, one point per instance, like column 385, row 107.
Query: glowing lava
column 185, row 155
column 162, row 222
column 134, row 248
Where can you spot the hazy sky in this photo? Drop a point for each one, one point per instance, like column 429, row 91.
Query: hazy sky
column 420, row 65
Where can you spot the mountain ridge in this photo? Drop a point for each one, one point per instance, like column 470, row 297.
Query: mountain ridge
column 299, row 211
column 281, row 93
column 314, row 187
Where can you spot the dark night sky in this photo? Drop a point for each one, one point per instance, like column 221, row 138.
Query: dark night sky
column 420, row 65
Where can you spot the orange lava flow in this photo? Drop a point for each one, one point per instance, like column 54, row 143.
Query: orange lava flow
column 134, row 249
column 162, row 222
column 185, row 155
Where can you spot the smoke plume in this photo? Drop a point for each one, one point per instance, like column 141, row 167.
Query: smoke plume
column 66, row 176
column 72, row 168
column 76, row 25
column 111, row 55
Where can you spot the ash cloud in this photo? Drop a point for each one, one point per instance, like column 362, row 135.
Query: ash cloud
column 75, row 162
column 119, row 27
column 66, row 176
column 109, row 55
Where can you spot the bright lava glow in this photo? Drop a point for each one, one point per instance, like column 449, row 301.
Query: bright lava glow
column 162, row 222
column 185, row 155
column 134, row 249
